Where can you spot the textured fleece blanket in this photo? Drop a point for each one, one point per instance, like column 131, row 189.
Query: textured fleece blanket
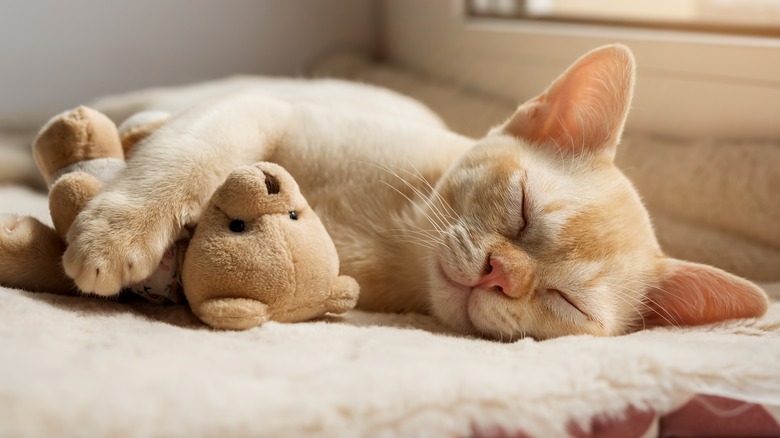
column 91, row 367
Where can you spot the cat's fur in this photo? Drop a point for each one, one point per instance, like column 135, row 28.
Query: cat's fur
column 531, row 230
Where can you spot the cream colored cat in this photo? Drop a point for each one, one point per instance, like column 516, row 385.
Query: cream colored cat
column 530, row 231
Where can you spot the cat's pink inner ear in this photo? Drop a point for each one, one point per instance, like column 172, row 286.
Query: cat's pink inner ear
column 585, row 109
column 694, row 294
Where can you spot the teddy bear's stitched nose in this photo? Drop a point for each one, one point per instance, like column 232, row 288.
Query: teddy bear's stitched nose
column 271, row 183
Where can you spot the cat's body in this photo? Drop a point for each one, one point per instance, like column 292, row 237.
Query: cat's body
column 530, row 231
column 351, row 148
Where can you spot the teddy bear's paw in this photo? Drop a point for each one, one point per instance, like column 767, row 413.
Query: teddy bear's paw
column 15, row 232
column 24, row 239
column 75, row 136
column 30, row 255
column 232, row 313
column 112, row 244
column 344, row 294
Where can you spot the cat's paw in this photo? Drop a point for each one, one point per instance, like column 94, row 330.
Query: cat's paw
column 113, row 243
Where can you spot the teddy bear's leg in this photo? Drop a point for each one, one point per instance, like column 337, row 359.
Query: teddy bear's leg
column 232, row 313
column 76, row 151
column 68, row 196
column 80, row 139
column 30, row 255
column 344, row 291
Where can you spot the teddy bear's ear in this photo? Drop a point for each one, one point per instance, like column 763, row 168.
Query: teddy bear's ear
column 256, row 190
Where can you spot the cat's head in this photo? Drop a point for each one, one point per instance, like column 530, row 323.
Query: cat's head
column 545, row 237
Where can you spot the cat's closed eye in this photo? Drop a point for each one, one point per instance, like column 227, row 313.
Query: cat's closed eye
column 516, row 213
column 523, row 216
column 568, row 299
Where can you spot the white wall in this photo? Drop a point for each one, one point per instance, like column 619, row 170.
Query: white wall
column 57, row 54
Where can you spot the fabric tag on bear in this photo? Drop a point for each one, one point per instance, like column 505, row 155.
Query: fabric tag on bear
column 163, row 286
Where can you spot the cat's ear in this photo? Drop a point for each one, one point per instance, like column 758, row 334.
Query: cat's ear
column 585, row 109
column 694, row 294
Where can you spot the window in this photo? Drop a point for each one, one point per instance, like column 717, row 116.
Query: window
column 752, row 17
column 690, row 84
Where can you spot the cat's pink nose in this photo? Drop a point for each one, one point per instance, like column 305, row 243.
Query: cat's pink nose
column 495, row 278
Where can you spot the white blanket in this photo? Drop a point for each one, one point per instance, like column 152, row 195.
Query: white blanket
column 91, row 367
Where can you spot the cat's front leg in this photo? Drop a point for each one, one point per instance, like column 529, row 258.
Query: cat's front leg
column 122, row 234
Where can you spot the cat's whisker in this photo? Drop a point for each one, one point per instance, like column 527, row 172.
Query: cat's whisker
column 419, row 243
column 438, row 233
column 672, row 320
column 512, row 325
column 626, row 298
column 426, row 239
column 676, row 295
column 415, row 229
column 668, row 318
column 414, row 189
column 438, row 236
column 420, row 209
column 418, row 235
column 445, row 217
column 435, row 210
column 443, row 201
column 423, row 239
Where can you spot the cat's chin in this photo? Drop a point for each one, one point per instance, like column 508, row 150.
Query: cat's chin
column 484, row 313
column 450, row 301
column 462, row 307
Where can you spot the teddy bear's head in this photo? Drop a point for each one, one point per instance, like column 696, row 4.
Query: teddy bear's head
column 259, row 252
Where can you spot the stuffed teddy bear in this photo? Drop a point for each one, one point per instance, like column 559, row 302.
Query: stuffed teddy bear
column 292, row 271
column 258, row 252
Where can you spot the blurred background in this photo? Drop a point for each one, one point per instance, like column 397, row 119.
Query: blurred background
column 698, row 59
column 55, row 55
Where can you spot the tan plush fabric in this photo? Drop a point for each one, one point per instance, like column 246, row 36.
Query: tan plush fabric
column 260, row 253
column 77, row 135
column 716, row 202
column 38, row 250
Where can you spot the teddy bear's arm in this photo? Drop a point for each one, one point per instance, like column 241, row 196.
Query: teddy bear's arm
column 30, row 254
column 343, row 295
column 122, row 234
column 232, row 313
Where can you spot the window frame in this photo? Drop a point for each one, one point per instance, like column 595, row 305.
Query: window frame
column 689, row 85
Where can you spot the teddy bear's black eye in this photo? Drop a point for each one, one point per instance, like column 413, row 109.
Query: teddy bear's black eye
column 293, row 215
column 237, row 226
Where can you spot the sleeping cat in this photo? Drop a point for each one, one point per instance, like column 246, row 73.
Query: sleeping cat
column 529, row 231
